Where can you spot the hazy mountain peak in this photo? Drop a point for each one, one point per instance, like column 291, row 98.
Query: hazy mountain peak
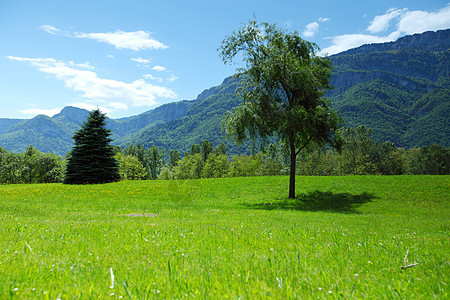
column 73, row 114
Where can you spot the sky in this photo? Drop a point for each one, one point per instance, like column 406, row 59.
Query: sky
column 127, row 57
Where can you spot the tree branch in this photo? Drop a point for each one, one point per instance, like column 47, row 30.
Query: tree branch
column 406, row 261
column 303, row 147
column 286, row 91
column 409, row 266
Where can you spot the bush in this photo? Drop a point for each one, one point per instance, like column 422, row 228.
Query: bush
column 165, row 174
column 189, row 167
column 430, row 160
column 216, row 166
column 130, row 168
column 244, row 166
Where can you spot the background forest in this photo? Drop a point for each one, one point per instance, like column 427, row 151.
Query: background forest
column 393, row 98
column 359, row 156
column 400, row 90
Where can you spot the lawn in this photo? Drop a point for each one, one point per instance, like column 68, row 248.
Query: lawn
column 342, row 237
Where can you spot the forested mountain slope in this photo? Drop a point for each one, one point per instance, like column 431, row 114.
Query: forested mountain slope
column 399, row 89
column 54, row 134
column 201, row 122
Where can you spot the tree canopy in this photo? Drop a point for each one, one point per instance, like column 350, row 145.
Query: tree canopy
column 283, row 84
column 92, row 157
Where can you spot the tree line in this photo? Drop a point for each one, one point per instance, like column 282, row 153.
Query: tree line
column 283, row 87
column 31, row 166
column 360, row 155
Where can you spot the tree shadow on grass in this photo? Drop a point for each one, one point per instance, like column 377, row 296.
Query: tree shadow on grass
column 318, row 201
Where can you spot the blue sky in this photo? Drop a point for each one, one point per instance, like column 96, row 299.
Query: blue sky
column 127, row 57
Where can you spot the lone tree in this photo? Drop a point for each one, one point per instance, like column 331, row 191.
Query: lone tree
column 92, row 158
column 283, row 85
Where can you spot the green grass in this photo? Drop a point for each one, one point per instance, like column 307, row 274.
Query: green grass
column 227, row 238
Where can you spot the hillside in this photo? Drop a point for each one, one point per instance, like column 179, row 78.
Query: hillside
column 174, row 125
column 399, row 89
column 54, row 134
column 201, row 122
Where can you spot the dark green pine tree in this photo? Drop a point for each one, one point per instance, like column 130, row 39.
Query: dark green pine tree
column 92, row 157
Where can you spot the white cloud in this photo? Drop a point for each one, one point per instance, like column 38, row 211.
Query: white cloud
column 50, row 29
column 86, row 65
column 39, row 111
column 159, row 68
column 411, row 22
column 111, row 94
column 381, row 23
column 311, row 29
column 135, row 40
column 142, row 61
column 171, row 78
column 407, row 22
column 348, row 41
column 420, row 21
column 151, row 77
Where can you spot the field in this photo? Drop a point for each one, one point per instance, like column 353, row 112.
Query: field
column 343, row 237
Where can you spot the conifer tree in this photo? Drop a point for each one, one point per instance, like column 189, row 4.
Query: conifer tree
column 92, row 157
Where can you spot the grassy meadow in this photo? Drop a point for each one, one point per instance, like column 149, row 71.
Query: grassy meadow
column 343, row 237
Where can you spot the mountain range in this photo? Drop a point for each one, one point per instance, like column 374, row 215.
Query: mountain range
column 399, row 89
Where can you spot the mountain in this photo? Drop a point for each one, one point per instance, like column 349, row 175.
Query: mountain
column 399, row 89
column 126, row 127
column 7, row 123
column 434, row 41
column 45, row 133
column 72, row 115
column 54, row 134
column 201, row 122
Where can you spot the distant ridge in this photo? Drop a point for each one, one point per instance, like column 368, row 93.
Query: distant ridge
column 430, row 41
column 5, row 124
column 73, row 114
column 399, row 89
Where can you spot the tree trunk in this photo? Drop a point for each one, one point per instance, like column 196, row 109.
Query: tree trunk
column 292, row 173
